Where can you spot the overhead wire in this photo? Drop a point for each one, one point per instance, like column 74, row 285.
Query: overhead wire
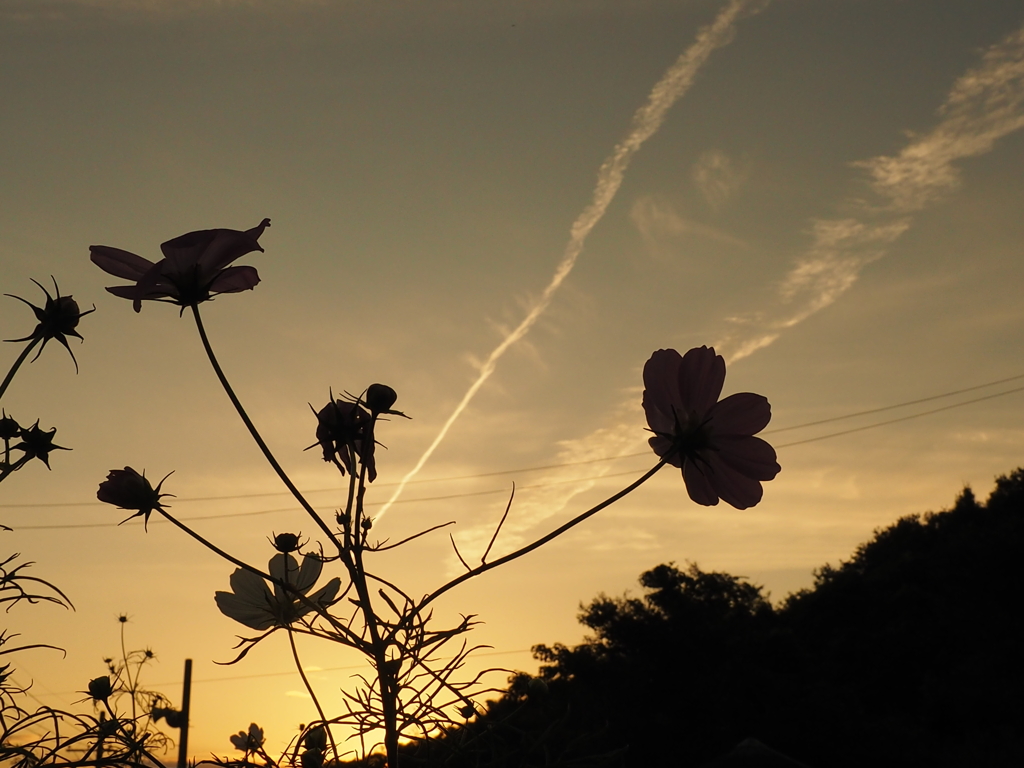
column 562, row 465
column 286, row 673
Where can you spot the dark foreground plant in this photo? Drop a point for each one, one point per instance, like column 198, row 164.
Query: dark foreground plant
column 415, row 689
column 120, row 731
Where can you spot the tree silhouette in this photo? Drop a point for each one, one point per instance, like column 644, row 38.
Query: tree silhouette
column 907, row 654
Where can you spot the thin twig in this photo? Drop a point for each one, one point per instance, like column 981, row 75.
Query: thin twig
column 385, row 548
column 459, row 554
column 539, row 542
column 508, row 506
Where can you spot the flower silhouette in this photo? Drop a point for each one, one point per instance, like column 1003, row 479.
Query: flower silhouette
column 248, row 741
column 711, row 440
column 344, row 431
column 252, row 603
column 37, row 443
column 127, row 489
column 195, row 267
column 58, row 318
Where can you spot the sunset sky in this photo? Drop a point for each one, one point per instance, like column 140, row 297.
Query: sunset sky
column 524, row 196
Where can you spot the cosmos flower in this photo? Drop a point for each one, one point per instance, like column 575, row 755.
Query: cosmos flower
column 127, row 489
column 252, row 603
column 248, row 741
column 58, row 318
column 195, row 267
column 711, row 440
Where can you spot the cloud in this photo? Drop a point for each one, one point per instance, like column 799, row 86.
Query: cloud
column 984, row 104
column 645, row 123
column 717, row 177
column 656, row 219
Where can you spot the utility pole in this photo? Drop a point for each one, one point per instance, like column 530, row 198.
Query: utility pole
column 186, row 699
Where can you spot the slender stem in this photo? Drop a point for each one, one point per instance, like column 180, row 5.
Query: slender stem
column 17, row 364
column 539, row 542
column 310, row 691
column 253, row 431
column 353, row 558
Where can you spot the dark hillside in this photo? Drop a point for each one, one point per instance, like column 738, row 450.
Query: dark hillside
column 909, row 654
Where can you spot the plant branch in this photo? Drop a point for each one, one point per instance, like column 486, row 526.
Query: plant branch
column 539, row 542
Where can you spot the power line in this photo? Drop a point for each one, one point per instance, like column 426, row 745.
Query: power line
column 286, row 673
column 560, row 465
column 446, row 497
column 902, row 418
column 900, row 405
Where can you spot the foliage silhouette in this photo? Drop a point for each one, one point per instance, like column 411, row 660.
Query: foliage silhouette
column 907, row 654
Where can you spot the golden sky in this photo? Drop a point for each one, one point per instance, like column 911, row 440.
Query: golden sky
column 530, row 197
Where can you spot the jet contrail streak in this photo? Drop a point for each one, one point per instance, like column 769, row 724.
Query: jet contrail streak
column 646, row 121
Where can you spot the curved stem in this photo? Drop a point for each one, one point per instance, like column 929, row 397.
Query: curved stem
column 539, row 542
column 17, row 364
column 253, row 431
column 309, row 689
column 353, row 559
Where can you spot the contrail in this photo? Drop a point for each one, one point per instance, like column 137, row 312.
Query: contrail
column 646, row 121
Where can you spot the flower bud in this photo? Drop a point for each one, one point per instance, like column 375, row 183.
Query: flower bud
column 286, row 542
column 100, row 688
column 380, row 398
column 127, row 489
column 9, row 428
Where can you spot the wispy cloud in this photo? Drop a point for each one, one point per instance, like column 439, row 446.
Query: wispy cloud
column 645, row 123
column 717, row 176
column 984, row 104
column 657, row 219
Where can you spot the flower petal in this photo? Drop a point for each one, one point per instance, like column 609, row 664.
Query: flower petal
column 308, row 573
column 321, row 597
column 119, row 263
column 234, row 280
column 750, row 455
column 285, row 567
column 661, row 391
column 250, row 601
column 741, row 414
column 242, row 612
column 188, row 248
column 698, row 483
column 226, row 246
column 701, row 377
column 732, row 485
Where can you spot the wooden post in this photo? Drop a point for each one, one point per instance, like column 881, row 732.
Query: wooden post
column 186, row 699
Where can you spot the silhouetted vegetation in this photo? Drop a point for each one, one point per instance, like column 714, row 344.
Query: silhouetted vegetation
column 909, row 654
